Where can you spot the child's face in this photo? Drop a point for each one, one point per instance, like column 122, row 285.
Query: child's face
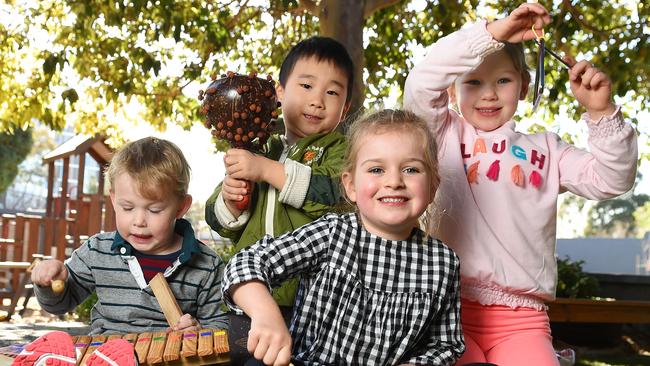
column 488, row 96
column 148, row 225
column 390, row 183
column 313, row 98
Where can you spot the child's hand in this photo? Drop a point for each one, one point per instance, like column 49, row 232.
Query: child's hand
column 591, row 87
column 47, row 271
column 269, row 341
column 517, row 26
column 185, row 323
column 233, row 191
column 242, row 164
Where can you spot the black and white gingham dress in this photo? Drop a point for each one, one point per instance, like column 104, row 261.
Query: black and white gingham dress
column 363, row 300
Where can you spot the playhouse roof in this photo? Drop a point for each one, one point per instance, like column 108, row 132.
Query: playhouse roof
column 78, row 144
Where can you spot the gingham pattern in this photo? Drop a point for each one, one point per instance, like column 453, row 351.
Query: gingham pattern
column 363, row 300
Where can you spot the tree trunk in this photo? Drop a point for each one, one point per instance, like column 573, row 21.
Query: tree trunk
column 344, row 21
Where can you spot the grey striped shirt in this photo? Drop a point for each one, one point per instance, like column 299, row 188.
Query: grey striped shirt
column 102, row 264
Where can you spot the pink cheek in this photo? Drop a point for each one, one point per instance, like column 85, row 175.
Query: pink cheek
column 367, row 190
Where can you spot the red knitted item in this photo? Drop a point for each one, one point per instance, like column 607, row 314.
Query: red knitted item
column 52, row 349
column 118, row 352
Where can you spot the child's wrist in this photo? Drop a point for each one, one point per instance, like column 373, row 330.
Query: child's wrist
column 597, row 114
column 233, row 209
column 492, row 28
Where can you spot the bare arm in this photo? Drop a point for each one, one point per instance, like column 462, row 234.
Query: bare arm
column 268, row 339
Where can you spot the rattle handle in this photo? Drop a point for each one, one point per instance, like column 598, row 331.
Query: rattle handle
column 245, row 202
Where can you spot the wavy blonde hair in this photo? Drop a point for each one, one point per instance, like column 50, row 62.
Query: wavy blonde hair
column 158, row 166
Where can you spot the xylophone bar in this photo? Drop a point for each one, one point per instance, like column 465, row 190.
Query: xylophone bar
column 204, row 347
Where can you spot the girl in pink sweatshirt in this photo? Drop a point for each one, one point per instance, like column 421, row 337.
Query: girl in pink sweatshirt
column 500, row 187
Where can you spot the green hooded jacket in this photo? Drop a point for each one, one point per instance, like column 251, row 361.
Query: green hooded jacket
column 324, row 153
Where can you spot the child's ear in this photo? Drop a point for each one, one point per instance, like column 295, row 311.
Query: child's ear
column 184, row 206
column 451, row 91
column 348, row 184
column 279, row 91
column 524, row 91
column 346, row 109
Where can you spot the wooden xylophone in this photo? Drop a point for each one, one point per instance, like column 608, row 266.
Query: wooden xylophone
column 204, row 347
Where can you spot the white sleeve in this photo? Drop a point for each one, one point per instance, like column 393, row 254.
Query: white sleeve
column 295, row 187
column 226, row 218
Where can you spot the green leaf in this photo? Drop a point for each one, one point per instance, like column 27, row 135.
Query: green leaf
column 49, row 64
column 70, row 95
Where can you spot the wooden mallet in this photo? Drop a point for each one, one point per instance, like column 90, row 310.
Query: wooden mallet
column 166, row 299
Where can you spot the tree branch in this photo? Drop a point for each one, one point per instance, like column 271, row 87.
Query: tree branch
column 579, row 17
column 372, row 6
column 310, row 6
column 235, row 19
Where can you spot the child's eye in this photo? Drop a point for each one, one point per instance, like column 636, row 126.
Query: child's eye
column 127, row 209
column 332, row 92
column 155, row 210
column 375, row 170
column 473, row 82
column 411, row 170
column 305, row 86
column 503, row 81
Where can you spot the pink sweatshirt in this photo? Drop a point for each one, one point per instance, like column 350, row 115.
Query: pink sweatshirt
column 499, row 189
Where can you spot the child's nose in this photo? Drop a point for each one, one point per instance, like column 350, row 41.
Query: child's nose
column 316, row 101
column 139, row 219
column 394, row 180
column 489, row 93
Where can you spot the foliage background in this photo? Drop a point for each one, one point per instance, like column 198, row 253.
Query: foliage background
column 89, row 62
column 14, row 147
column 104, row 66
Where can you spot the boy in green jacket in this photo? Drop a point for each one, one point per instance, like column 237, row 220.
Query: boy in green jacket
column 297, row 180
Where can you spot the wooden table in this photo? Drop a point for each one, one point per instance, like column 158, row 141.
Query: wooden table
column 599, row 311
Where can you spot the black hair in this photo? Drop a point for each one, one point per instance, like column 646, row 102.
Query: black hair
column 324, row 49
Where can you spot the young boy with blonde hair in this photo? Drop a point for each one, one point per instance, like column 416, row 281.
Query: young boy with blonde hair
column 148, row 189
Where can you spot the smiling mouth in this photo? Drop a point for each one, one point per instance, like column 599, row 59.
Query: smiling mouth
column 311, row 117
column 392, row 199
column 488, row 110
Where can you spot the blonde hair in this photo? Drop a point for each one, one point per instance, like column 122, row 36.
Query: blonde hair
column 516, row 53
column 158, row 167
column 389, row 120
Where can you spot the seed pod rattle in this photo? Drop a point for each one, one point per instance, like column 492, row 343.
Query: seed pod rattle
column 240, row 110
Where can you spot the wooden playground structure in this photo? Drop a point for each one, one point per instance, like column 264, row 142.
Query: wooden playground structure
column 68, row 220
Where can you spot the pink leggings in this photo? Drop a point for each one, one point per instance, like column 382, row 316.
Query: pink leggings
column 505, row 336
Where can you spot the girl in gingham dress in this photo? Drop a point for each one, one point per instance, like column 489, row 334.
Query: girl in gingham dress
column 375, row 289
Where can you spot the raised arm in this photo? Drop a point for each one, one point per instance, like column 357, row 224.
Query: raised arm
column 608, row 169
